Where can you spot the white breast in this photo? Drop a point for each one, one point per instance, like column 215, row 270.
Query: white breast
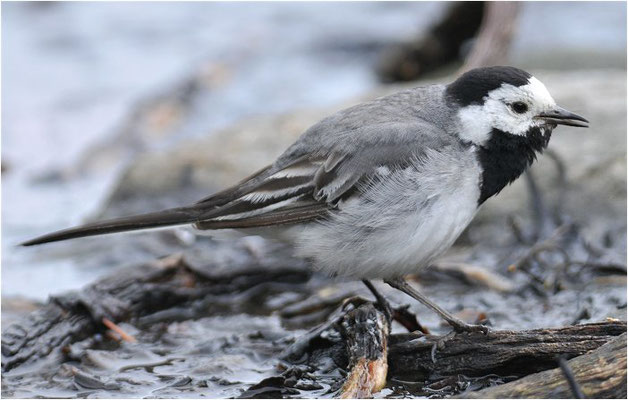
column 401, row 223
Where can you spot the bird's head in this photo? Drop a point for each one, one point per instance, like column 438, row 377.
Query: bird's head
column 497, row 101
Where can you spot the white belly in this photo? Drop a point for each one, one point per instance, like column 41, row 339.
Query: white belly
column 398, row 226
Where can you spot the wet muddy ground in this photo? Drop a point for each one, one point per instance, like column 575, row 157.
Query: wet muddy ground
column 528, row 261
column 234, row 344
column 517, row 267
column 525, row 262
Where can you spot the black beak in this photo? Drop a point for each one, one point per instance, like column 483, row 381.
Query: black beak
column 561, row 116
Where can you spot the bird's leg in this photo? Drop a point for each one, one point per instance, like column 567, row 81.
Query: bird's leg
column 383, row 303
column 456, row 323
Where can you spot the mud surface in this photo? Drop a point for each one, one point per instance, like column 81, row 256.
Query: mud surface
column 233, row 345
column 201, row 358
column 516, row 267
column 164, row 149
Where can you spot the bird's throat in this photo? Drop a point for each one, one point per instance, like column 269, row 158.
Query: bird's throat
column 505, row 157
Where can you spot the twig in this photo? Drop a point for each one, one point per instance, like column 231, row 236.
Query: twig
column 518, row 230
column 125, row 336
column 547, row 244
column 537, row 205
column 409, row 320
column 561, row 170
column 571, row 380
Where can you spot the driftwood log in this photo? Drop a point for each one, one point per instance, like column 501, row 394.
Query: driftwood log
column 598, row 374
column 512, row 353
column 506, row 355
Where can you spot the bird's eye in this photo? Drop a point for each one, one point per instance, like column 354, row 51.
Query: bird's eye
column 519, row 107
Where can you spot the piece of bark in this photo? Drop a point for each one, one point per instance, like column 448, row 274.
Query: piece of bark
column 600, row 373
column 513, row 353
column 365, row 330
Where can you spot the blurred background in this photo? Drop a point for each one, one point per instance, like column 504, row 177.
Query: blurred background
column 118, row 108
column 90, row 88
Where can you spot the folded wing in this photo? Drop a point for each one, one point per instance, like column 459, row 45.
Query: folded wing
column 297, row 188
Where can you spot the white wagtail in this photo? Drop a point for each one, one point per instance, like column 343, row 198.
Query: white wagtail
column 380, row 189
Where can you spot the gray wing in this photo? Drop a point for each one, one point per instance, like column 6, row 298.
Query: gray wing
column 317, row 172
column 324, row 167
column 336, row 158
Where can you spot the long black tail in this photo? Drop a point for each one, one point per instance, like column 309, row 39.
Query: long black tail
column 173, row 216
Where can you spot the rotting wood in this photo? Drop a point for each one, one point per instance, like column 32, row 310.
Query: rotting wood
column 503, row 353
column 600, row 374
column 366, row 331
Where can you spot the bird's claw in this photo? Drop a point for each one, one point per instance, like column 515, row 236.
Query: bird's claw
column 440, row 344
column 462, row 328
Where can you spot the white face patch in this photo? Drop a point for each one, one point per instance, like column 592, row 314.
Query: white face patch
column 477, row 121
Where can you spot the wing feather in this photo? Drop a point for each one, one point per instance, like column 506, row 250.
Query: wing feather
column 304, row 212
column 333, row 160
column 302, row 186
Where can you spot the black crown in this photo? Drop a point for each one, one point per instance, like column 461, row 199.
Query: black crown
column 474, row 85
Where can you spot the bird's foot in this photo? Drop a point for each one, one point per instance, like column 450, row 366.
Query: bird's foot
column 462, row 327
column 459, row 327
column 440, row 344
